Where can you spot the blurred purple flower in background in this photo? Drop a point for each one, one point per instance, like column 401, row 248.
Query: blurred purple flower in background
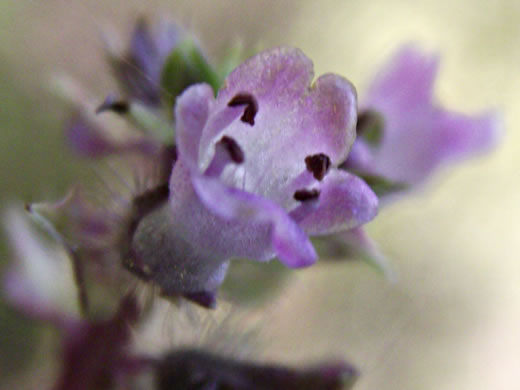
column 403, row 136
column 138, row 68
column 41, row 284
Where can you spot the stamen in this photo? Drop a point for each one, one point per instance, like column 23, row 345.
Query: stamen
column 318, row 164
column 306, row 195
column 245, row 99
column 226, row 150
column 235, row 152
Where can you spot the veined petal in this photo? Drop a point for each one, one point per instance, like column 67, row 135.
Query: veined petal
column 345, row 202
column 331, row 108
column 304, row 119
column 276, row 75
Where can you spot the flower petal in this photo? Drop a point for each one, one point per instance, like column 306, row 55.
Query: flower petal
column 88, row 138
column 406, row 82
column 192, row 116
column 417, row 134
column 143, row 50
column 167, row 36
column 186, row 249
column 331, row 110
column 289, row 242
column 305, row 119
column 461, row 135
column 40, row 283
column 275, row 86
column 416, row 145
column 275, row 76
column 345, row 202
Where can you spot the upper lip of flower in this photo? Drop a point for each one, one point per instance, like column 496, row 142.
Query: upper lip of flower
column 265, row 151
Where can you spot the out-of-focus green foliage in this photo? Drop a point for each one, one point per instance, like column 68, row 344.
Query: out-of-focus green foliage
column 185, row 66
column 34, row 161
column 252, row 283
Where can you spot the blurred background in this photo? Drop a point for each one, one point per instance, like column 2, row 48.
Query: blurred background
column 452, row 321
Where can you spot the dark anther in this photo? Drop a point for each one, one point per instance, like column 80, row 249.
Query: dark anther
column 318, row 164
column 305, row 195
column 245, row 99
column 234, row 150
column 115, row 105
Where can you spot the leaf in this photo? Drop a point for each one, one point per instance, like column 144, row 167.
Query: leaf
column 186, row 66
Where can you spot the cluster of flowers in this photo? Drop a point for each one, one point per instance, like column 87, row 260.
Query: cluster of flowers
column 223, row 164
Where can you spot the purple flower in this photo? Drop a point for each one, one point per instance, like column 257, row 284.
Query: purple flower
column 256, row 174
column 91, row 135
column 139, row 69
column 159, row 63
column 40, row 283
column 403, row 135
